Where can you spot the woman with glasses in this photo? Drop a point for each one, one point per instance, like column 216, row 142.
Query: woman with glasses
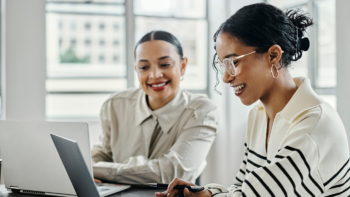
column 295, row 144
column 157, row 132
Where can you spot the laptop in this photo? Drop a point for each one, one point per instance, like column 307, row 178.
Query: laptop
column 30, row 161
column 78, row 171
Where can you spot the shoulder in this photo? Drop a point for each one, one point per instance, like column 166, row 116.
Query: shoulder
column 320, row 121
column 322, row 128
column 329, row 134
column 131, row 93
column 200, row 111
column 199, row 102
column 123, row 98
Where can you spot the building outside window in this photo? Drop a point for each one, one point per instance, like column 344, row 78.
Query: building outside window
column 87, row 42
column 116, row 43
column 87, row 26
column 78, row 84
column 116, row 26
column 116, row 58
column 102, row 42
column 102, row 26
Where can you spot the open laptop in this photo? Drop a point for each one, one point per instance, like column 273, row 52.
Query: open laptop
column 78, row 171
column 30, row 160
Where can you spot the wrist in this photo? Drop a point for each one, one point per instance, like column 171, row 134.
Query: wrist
column 208, row 192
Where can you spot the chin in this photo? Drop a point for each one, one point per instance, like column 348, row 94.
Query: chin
column 159, row 95
column 247, row 102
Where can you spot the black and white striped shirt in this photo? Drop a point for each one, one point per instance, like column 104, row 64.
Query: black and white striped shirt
column 308, row 153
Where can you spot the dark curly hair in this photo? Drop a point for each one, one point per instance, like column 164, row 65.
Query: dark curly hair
column 262, row 25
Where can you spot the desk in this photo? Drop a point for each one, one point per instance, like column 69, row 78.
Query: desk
column 132, row 192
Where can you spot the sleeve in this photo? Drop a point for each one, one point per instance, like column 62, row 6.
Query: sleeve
column 103, row 152
column 185, row 159
column 292, row 172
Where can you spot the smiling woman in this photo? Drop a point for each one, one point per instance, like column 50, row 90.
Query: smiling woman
column 156, row 132
column 295, row 143
column 159, row 65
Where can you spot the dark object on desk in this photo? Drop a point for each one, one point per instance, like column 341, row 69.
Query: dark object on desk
column 198, row 180
column 132, row 192
column 191, row 188
column 78, row 171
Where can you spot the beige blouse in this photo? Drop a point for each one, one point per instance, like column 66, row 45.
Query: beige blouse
column 181, row 133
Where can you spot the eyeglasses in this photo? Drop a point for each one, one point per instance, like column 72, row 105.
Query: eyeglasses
column 228, row 65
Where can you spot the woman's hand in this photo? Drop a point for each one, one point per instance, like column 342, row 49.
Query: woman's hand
column 97, row 181
column 171, row 192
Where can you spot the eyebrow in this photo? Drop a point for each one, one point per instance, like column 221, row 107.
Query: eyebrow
column 164, row 57
column 161, row 58
column 230, row 55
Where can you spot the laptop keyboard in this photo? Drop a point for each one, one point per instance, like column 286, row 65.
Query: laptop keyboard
column 102, row 189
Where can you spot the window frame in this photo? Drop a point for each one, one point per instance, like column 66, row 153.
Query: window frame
column 129, row 19
column 313, row 53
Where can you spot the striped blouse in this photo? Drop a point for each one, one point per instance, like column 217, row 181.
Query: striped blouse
column 307, row 155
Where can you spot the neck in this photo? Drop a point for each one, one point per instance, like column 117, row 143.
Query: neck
column 155, row 103
column 279, row 95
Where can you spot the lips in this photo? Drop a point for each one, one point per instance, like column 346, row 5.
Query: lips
column 159, row 86
column 238, row 88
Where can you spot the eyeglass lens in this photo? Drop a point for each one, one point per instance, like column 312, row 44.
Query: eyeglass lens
column 229, row 67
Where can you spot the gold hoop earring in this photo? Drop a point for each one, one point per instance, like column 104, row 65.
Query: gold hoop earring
column 275, row 77
column 181, row 78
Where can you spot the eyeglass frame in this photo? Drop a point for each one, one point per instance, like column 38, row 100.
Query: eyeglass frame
column 222, row 69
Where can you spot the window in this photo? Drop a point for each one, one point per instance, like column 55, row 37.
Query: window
column 319, row 62
column 102, row 26
column 169, row 15
column 83, row 74
column 116, row 26
column 73, row 41
column 87, row 26
column 60, row 25
column 102, row 42
column 326, row 69
column 116, row 59
column 87, row 42
column 102, row 58
column 116, row 43
column 73, row 26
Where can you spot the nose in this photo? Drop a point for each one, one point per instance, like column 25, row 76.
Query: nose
column 155, row 73
column 227, row 77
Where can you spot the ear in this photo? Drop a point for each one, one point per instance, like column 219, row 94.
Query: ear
column 275, row 54
column 183, row 65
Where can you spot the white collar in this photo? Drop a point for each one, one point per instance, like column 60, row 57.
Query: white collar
column 167, row 115
column 303, row 99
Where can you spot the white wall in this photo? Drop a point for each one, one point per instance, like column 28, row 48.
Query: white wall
column 23, row 59
column 343, row 65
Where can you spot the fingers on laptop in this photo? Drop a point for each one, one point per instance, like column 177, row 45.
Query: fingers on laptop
column 97, row 181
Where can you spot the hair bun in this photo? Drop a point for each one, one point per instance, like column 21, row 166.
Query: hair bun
column 304, row 44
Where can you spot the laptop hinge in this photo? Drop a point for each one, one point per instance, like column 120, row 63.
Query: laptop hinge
column 14, row 187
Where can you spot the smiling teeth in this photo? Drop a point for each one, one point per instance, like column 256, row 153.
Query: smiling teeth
column 238, row 87
column 158, row 85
